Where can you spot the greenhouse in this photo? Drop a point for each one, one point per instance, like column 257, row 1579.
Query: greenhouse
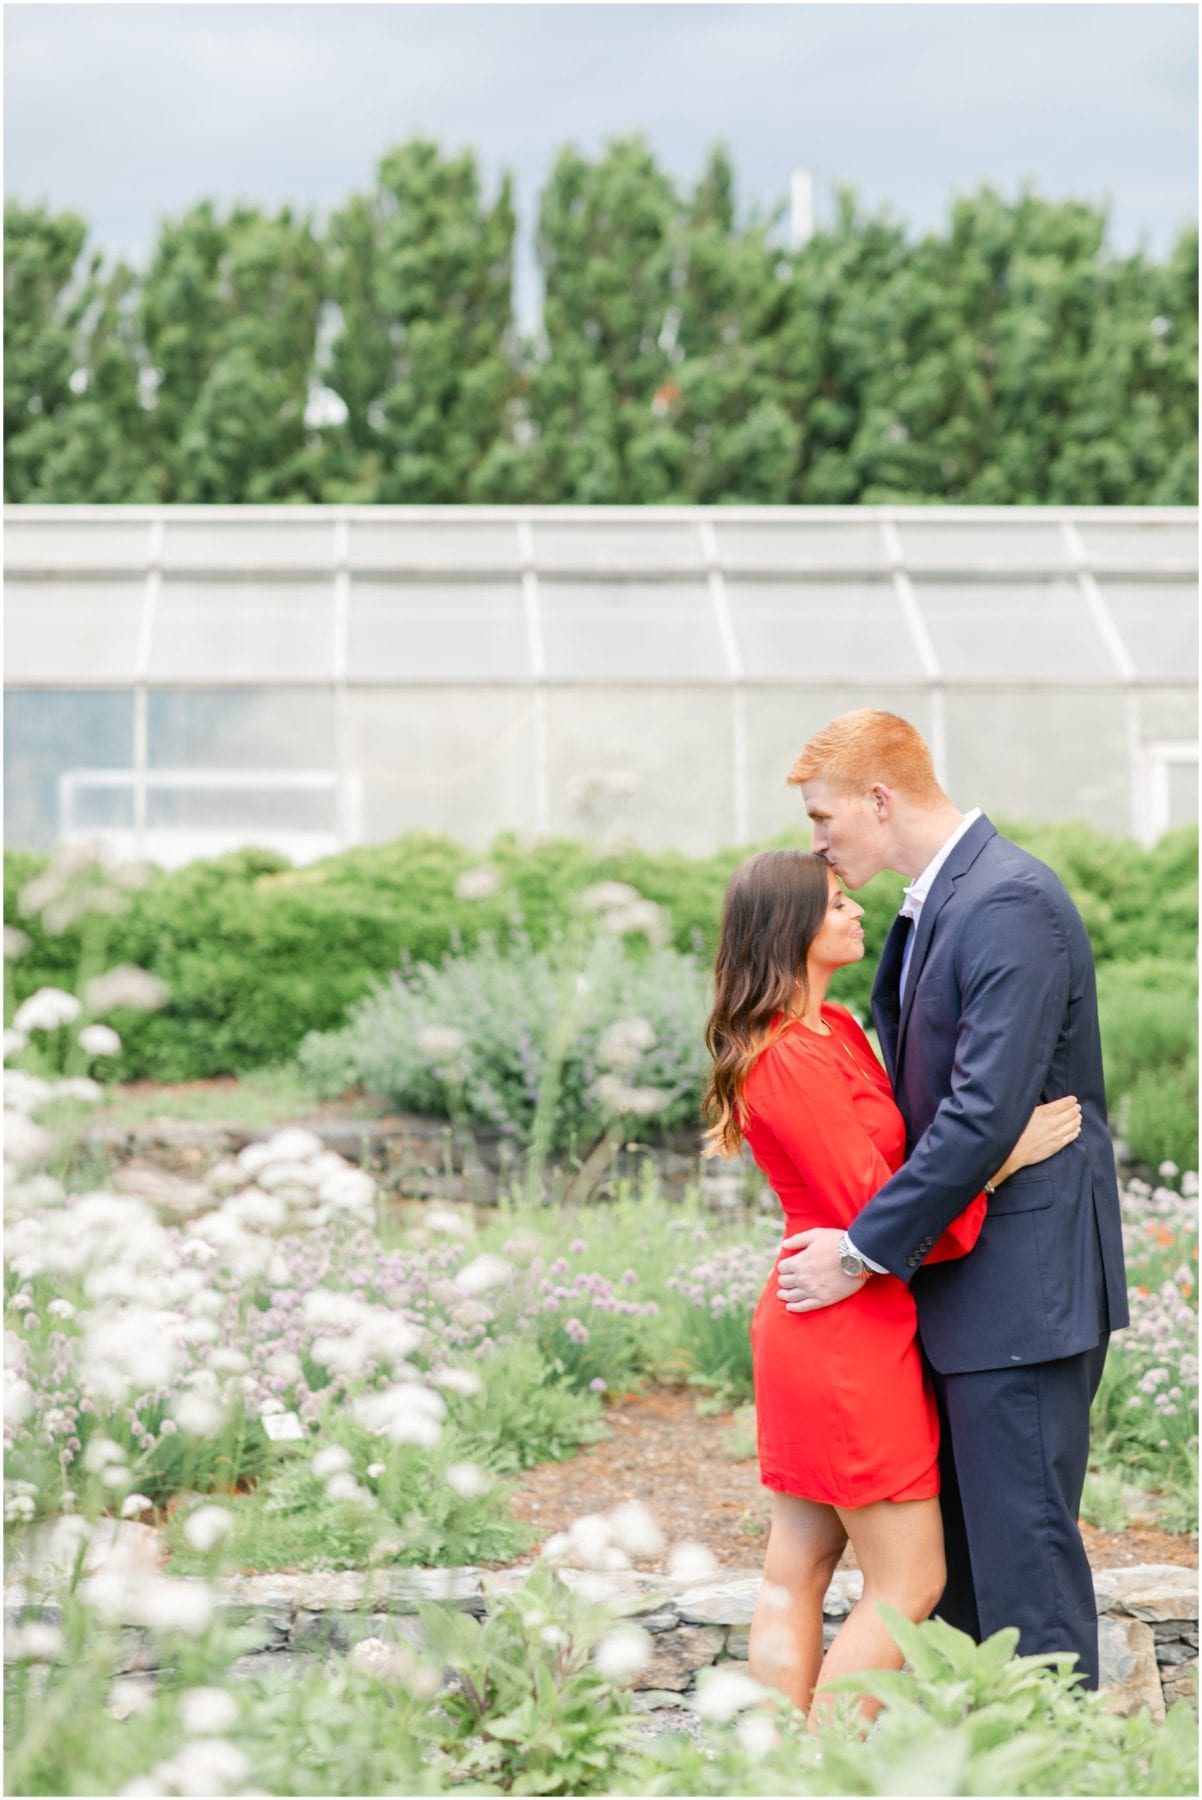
column 185, row 680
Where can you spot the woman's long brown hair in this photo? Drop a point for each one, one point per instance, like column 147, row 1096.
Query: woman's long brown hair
column 774, row 908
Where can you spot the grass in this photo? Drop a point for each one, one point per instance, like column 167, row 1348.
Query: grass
column 268, row 1097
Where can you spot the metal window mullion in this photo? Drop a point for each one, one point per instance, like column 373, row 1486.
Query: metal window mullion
column 920, row 637
column 150, row 608
column 720, row 603
column 1139, row 772
column 345, row 809
column 537, row 651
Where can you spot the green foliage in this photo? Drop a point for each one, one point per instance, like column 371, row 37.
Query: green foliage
column 525, row 1709
column 509, row 1008
column 684, row 354
column 1149, row 1010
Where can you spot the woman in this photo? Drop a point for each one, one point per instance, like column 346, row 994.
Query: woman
column 845, row 1419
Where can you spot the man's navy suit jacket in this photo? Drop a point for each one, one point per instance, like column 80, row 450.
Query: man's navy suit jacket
column 1000, row 1012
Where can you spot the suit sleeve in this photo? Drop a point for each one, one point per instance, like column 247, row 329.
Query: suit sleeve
column 808, row 1110
column 1012, row 967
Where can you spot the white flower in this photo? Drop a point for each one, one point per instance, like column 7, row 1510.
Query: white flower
column 116, row 1476
column 46, row 1010
column 478, row 884
column 24, row 1142
column 197, row 1414
column 16, row 942
column 343, row 1486
column 132, row 1596
column 61, row 1309
column 101, row 1451
column 641, row 915
column 458, row 1381
column 206, row 1527
column 14, row 1043
column 134, row 1505
column 18, row 1399
column 691, row 1562
column 616, row 1096
column 330, row 1461
column 605, row 896
column 486, row 1271
column 441, row 1218
column 34, row 1641
column 622, row 1044
column 757, row 1734
column 205, row 1765
column 1168, row 1171
column 723, row 1692
column 440, row 1043
column 467, row 1480
column 281, row 1427
column 623, row 1652
column 352, row 1190
column 99, row 1040
column 407, row 1413
column 375, row 1470
column 77, row 1087
column 207, row 1711
column 126, row 986
column 394, row 1663
column 25, row 1093
column 127, row 1697
column 633, row 1529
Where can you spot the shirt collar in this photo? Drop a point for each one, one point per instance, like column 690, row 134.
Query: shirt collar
column 916, row 891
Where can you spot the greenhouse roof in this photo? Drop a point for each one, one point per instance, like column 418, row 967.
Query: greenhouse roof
column 496, row 597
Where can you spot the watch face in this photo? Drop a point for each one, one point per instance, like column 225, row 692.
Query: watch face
column 851, row 1265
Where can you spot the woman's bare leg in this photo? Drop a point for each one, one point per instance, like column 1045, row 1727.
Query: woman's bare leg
column 899, row 1547
column 805, row 1543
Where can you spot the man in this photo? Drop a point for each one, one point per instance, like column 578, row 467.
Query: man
column 984, row 1004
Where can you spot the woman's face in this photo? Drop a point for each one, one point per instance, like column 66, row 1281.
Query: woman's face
column 840, row 938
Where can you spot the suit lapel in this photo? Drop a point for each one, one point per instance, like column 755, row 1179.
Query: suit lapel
column 956, row 866
column 885, row 1004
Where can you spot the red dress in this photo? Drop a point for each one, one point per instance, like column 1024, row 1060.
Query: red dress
column 844, row 1410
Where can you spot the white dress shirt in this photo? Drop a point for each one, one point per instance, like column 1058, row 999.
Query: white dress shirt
column 914, row 898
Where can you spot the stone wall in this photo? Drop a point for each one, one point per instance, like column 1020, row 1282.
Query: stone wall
column 1148, row 1616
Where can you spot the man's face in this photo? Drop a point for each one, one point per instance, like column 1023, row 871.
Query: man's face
column 848, row 833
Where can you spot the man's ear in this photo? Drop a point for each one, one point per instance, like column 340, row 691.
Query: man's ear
column 881, row 799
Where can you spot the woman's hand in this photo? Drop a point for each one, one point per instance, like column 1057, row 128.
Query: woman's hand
column 1048, row 1130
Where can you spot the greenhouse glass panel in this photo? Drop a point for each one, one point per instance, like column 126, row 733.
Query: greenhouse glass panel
column 403, row 544
column 72, row 631
column 624, row 765
column 1158, row 623
column 240, row 729
column 651, row 548
column 215, row 807
column 779, row 722
column 822, row 630
column 1037, row 632
column 1183, row 793
column 76, row 544
column 1135, row 544
column 248, row 546
column 1006, row 544
column 437, row 631
column 100, row 809
column 1170, row 713
column 1027, row 755
column 630, row 630
column 768, row 546
column 50, row 734
column 255, row 631
column 458, row 763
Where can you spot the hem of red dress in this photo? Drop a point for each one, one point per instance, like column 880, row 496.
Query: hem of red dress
column 915, row 1490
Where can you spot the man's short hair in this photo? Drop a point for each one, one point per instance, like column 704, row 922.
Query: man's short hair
column 864, row 746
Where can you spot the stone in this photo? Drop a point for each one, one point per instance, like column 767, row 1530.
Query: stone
column 719, row 1602
column 845, row 1589
column 657, row 1699
column 663, row 1620
column 171, row 1194
column 259, row 1628
column 737, row 1640
column 272, row 1664
column 1182, row 1684
column 1175, row 1653
column 1149, row 1591
column 1130, row 1679
column 43, row 1559
column 409, row 1588
column 677, row 1655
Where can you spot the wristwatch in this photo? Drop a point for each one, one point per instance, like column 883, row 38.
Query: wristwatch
column 851, row 1262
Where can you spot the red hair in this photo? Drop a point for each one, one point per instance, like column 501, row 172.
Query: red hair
column 864, row 746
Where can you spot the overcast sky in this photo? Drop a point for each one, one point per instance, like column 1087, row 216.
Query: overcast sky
column 129, row 112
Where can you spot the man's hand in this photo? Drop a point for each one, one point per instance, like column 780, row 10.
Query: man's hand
column 813, row 1279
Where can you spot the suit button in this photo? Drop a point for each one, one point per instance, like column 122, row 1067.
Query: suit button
column 913, row 1261
column 926, row 1243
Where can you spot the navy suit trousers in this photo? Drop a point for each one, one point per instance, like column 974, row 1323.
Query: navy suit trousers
column 1013, row 1456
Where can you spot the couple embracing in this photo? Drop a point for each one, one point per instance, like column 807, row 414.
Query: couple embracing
column 929, row 1344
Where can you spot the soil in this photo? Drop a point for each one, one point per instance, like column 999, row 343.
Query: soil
column 681, row 1464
